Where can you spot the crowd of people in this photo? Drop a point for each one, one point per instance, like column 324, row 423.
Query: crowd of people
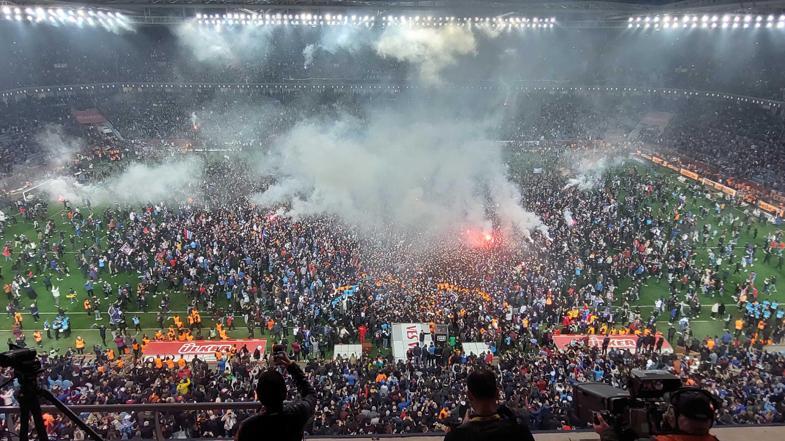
column 241, row 267
column 744, row 146
column 234, row 269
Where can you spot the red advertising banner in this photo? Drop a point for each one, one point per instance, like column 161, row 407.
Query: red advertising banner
column 205, row 349
column 617, row 341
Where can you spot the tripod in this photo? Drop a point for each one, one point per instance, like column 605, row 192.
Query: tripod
column 26, row 369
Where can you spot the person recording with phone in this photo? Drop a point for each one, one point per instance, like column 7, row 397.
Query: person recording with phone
column 278, row 420
column 486, row 420
column 689, row 417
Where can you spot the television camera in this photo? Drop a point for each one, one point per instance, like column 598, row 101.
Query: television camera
column 633, row 413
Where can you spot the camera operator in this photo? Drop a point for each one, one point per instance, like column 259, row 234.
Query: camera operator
column 486, row 420
column 689, row 417
column 277, row 420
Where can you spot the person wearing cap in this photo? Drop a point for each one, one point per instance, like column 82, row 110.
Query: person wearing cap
column 689, row 417
column 278, row 420
column 486, row 420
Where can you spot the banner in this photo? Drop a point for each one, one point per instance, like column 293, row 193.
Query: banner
column 617, row 341
column 689, row 173
column 475, row 348
column 346, row 351
column 343, row 292
column 205, row 349
column 407, row 335
column 770, row 208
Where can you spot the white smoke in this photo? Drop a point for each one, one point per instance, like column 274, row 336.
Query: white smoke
column 418, row 177
column 308, row 54
column 174, row 180
column 339, row 38
column 221, row 46
column 590, row 168
column 568, row 217
column 58, row 147
column 432, row 49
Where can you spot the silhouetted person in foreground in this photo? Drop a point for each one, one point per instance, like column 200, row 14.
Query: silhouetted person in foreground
column 278, row 420
column 486, row 420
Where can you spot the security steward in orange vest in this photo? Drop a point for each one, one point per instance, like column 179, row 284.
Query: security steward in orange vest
column 689, row 417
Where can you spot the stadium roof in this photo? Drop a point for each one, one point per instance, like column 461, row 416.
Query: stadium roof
column 568, row 12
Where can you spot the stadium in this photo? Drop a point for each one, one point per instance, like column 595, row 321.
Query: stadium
column 390, row 197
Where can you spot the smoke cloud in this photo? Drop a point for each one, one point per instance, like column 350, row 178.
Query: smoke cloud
column 219, row 47
column 431, row 49
column 424, row 178
column 173, row 180
column 590, row 168
column 333, row 40
column 308, row 54
column 58, row 147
